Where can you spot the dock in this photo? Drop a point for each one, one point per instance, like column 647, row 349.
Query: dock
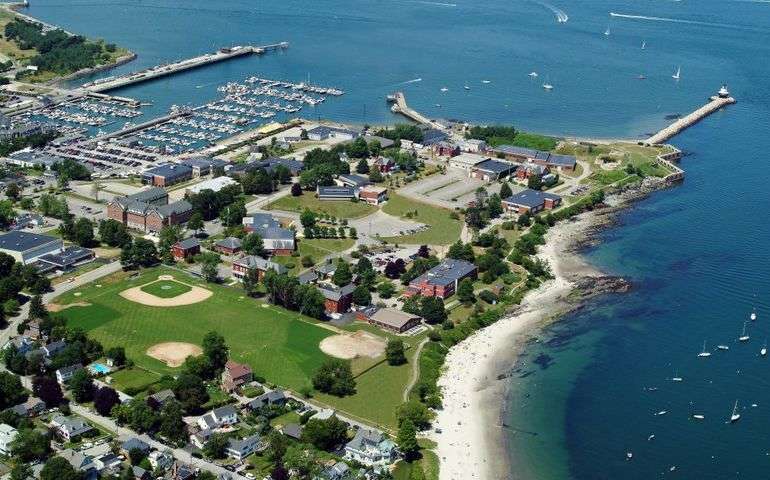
column 400, row 106
column 112, row 83
column 722, row 99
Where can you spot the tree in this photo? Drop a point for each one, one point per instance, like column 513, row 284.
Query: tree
column 30, row 444
column 7, row 214
column 361, row 296
column 505, row 190
column 334, row 376
column 168, row 236
column 534, row 182
column 461, row 251
column 233, row 214
column 276, row 446
column 465, row 291
column 386, row 289
column 105, row 398
column 48, row 390
column 139, row 253
column 250, row 282
column 362, row 167
column 36, row 308
column 296, row 189
column 394, row 352
column 191, row 392
column 196, row 222
column 118, row 356
column 21, row 471
column 432, row 310
column 209, row 262
column 307, row 218
column 84, row 232
column 113, row 233
column 57, row 468
column 11, row 391
column 13, row 191
column 81, row 386
column 414, row 411
column 172, row 424
column 407, row 440
column 253, row 245
column 325, row 434
column 375, row 176
column 342, row 274
column 136, row 455
column 215, row 350
column 300, row 459
column 494, row 206
column 216, row 446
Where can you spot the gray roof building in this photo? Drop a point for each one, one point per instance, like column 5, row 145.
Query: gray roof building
column 531, row 199
column 353, row 180
column 333, row 292
column 336, row 193
column 27, row 247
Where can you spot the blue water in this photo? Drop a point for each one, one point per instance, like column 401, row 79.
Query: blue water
column 99, row 368
column 696, row 254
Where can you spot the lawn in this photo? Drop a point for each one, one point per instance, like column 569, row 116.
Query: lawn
column 133, row 379
column 279, row 345
column 316, row 248
column 9, row 48
column 443, row 230
column 336, row 208
column 166, row 288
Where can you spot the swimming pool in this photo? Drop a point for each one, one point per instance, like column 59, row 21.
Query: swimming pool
column 99, row 368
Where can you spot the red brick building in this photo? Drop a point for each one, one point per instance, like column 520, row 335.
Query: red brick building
column 389, row 319
column 252, row 262
column 235, row 376
column 337, row 299
column 183, row 249
column 148, row 210
column 228, row 246
column 443, row 279
column 373, row 195
column 531, row 201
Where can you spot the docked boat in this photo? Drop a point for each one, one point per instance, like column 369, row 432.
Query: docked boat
column 735, row 415
column 704, row 353
column 533, row 74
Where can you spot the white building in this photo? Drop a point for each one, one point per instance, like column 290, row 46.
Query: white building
column 213, row 184
column 7, row 434
column 64, row 374
column 218, row 418
column 466, row 161
column 162, row 460
column 70, row 427
column 27, row 247
column 240, row 448
column 371, row 448
column 473, row 145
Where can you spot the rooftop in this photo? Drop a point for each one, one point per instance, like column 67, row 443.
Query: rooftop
column 18, row 241
column 531, row 198
column 495, row 166
column 169, row 170
column 347, row 192
column 446, row 272
column 468, row 159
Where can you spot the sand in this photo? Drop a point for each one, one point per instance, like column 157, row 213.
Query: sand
column 349, row 346
column 197, row 294
column 471, row 444
column 55, row 307
column 173, row 354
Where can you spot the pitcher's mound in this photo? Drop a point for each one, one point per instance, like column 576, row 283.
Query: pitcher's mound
column 189, row 297
column 173, row 354
column 348, row 346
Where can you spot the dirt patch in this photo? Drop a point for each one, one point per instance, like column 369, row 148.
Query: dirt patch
column 195, row 295
column 173, row 354
column 55, row 307
column 349, row 346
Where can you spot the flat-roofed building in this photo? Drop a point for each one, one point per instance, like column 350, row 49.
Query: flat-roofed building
column 491, row 170
column 167, row 174
column 213, row 184
column 336, row 193
column 27, row 247
column 373, row 195
column 531, row 201
column 443, row 279
column 466, row 161
column 390, row 319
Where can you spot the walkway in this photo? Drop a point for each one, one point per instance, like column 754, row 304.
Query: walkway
column 415, row 370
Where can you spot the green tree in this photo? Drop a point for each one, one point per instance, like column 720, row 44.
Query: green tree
column 36, row 308
column 191, row 392
column 57, row 468
column 172, row 424
column 407, row 440
column 139, row 253
column 30, row 445
column 233, row 214
column 84, row 232
column 21, row 471
column 136, row 455
column 461, row 251
column 386, row 289
column 362, row 167
column 276, row 446
column 414, row 411
column 307, row 218
column 300, row 459
column 250, row 282
column 335, row 377
column 216, row 446
column 375, row 176
column 196, row 222
column 361, row 296
column 209, row 262
column 394, row 352
column 465, row 291
column 215, row 350
column 325, row 434
column 534, row 182
column 168, row 236
column 11, row 391
column 81, row 386
column 432, row 310
column 13, row 191
column 342, row 274
column 505, row 190
column 113, row 233
column 253, row 245
column 7, row 214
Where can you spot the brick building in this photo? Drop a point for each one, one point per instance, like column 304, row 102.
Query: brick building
column 148, row 210
column 337, row 299
column 443, row 279
column 252, row 262
column 531, row 201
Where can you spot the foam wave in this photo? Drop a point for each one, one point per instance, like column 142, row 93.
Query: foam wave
column 437, row 4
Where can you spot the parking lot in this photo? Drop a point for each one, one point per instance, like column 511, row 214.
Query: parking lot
column 453, row 189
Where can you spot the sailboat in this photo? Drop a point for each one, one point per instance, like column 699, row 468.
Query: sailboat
column 696, row 416
column 486, row 81
column 547, row 85
column 533, row 74
column 444, row 89
column 644, row 44
column 607, row 32
column 704, row 353
column 467, row 87
column 744, row 337
column 753, row 315
column 723, row 347
column 678, row 73
column 676, row 377
column 735, row 416
column 763, row 351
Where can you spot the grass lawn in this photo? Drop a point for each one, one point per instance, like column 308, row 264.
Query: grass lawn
column 166, row 288
column 9, row 48
column 285, row 419
column 316, row 248
column 443, row 230
column 134, row 378
column 336, row 208
column 279, row 345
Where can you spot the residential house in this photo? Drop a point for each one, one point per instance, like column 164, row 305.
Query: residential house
column 337, row 299
column 336, row 193
column 492, row 170
column 384, row 142
column 273, row 397
column 80, row 461
column 109, row 463
column 70, row 428
column 160, row 460
column 307, row 277
column 292, row 430
column 167, row 174
column 159, row 399
column 7, row 435
column 134, row 443
column 140, row 473
column 182, row 471
column 252, row 262
column 218, row 418
column 531, row 201
column 187, row 248
column 326, row 270
column 371, row 448
column 235, row 375
column 27, row 247
column 352, row 180
column 384, row 164
column 466, row 161
column 228, row 246
column 373, row 195
column 30, row 408
column 52, row 349
column 240, row 448
column 390, row 319
column 28, row 220
column 443, row 279
column 201, row 437
column 22, row 344
column 323, row 132
column 294, row 167
column 338, row 471
column 64, row 374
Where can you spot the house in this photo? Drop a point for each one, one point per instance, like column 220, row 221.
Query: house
column 531, row 201
column 273, row 397
column 148, row 210
column 326, row 270
column 445, row 149
column 203, row 165
column 160, row 460
column 384, row 164
column 80, row 461
column 27, row 247
column 228, row 246
column 109, row 462
column 526, row 170
column 65, row 260
column 235, row 375
column 140, row 473
column 240, row 448
column 134, row 443
column 307, row 277
column 201, row 437
column 70, row 427
column 213, row 184
column 292, row 430
column 182, row 471
column 53, row 348
column 276, row 239
column 352, row 180
column 443, row 279
column 167, row 174
column 371, row 448
column 492, row 170
column 183, row 249
column 28, row 220
column 7, row 435
column 159, row 399
column 252, row 262
column 338, row 471
column 373, row 195
column 31, row 408
column 22, row 344
column 337, row 299
column 336, row 193
column 218, row 418
column 473, row 145
column 384, row 142
column 64, row 374
column 390, row 319
column 466, row 161
column 323, row 132
column 294, row 167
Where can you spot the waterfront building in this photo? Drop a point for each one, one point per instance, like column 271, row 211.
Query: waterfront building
column 167, row 174
column 466, row 161
column 531, row 201
column 492, row 170
column 443, row 279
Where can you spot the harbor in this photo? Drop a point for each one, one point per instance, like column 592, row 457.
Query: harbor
column 400, row 106
column 718, row 101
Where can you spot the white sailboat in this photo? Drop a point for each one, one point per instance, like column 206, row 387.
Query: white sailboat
column 644, row 44
column 696, row 416
column 467, row 87
column 735, row 416
column 486, row 81
column 533, row 74
column 704, row 353
column 678, row 73
column 607, row 32
column 547, row 85
column 723, row 347
column 744, row 337
column 676, row 377
column 763, row 351
column 753, row 315
column 444, row 89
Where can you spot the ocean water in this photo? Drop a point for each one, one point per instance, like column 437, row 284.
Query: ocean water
column 696, row 254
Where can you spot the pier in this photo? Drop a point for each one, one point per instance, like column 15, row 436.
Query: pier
column 715, row 103
column 111, row 83
column 400, row 106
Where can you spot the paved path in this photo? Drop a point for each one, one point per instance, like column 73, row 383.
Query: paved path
column 415, row 370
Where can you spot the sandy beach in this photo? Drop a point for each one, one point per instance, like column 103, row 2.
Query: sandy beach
column 471, row 443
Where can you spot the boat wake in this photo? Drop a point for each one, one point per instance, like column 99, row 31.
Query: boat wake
column 674, row 20
column 561, row 16
column 414, row 80
column 437, row 4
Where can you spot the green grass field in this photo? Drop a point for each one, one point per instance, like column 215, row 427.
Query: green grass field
column 133, row 378
column 166, row 288
column 337, row 208
column 316, row 248
column 278, row 344
column 444, row 229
